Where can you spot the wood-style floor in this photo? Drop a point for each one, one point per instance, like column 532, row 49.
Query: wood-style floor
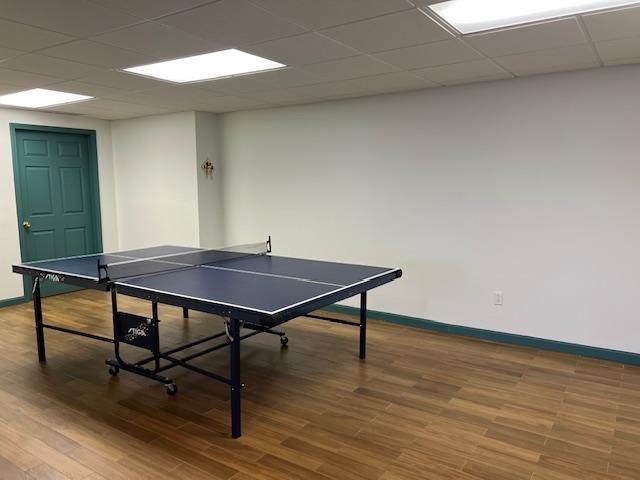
column 422, row 406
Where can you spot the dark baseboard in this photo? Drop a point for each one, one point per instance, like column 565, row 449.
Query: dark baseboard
column 13, row 301
column 510, row 338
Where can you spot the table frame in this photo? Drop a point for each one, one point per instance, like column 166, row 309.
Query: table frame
column 234, row 324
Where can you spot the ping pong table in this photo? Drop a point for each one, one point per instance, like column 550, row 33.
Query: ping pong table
column 251, row 289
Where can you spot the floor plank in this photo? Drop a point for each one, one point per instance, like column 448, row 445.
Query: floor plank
column 423, row 405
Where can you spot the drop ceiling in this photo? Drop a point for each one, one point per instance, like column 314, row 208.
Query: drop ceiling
column 334, row 49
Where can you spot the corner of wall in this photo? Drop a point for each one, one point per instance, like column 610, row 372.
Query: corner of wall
column 210, row 198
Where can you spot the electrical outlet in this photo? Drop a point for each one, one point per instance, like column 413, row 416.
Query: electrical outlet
column 498, row 298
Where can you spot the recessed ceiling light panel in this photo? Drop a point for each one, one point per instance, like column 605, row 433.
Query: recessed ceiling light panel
column 471, row 16
column 40, row 97
column 225, row 63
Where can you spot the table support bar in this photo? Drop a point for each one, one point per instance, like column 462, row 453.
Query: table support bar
column 76, row 332
column 333, row 320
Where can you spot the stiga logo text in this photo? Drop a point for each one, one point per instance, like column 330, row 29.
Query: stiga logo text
column 52, row 277
column 136, row 332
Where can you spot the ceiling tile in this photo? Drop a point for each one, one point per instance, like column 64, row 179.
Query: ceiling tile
column 139, row 98
column 157, row 40
column 229, row 103
column 277, row 79
column 55, row 67
column 238, row 85
column 388, row 82
column 302, row 49
column 393, row 82
column 613, row 24
column 119, row 106
column 6, row 53
column 289, row 103
column 121, row 80
column 348, row 95
column 616, row 52
column 334, row 89
column 25, row 37
column 559, row 59
column 529, row 38
column 287, row 77
column 232, row 23
column 80, row 108
column 151, row 8
column 143, row 111
column 99, row 54
column 26, row 79
column 424, row 3
column 4, row 89
column 72, row 17
column 396, row 30
column 327, row 13
column 347, row 68
column 429, row 55
column 109, row 116
column 116, row 116
column 88, row 89
column 475, row 71
column 170, row 97
column 190, row 93
column 109, row 109
column 284, row 96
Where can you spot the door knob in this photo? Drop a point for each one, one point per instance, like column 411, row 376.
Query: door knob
column 26, row 224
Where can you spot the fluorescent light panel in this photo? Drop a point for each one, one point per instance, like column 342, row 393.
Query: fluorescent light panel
column 224, row 63
column 471, row 16
column 40, row 97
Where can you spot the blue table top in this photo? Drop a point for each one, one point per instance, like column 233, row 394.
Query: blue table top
column 86, row 266
column 262, row 283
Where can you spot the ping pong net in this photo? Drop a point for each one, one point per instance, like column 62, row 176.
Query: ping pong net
column 109, row 272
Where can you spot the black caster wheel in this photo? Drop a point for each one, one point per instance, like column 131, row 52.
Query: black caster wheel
column 113, row 371
column 171, row 389
column 284, row 340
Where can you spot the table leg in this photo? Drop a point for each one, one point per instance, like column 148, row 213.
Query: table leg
column 156, row 323
column 116, row 328
column 236, row 386
column 185, row 313
column 363, row 325
column 37, row 310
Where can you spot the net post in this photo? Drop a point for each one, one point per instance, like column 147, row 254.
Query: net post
column 103, row 272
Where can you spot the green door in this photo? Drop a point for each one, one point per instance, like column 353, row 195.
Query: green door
column 55, row 197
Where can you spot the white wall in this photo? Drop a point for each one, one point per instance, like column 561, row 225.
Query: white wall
column 156, row 183
column 528, row 186
column 10, row 283
column 210, row 207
